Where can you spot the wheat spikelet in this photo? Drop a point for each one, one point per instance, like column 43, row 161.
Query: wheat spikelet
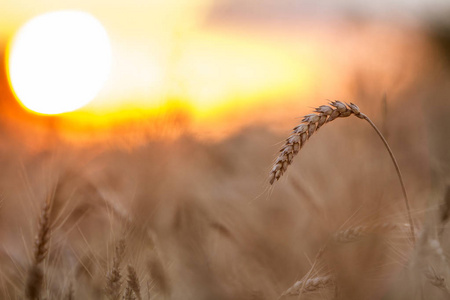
column 43, row 236
column 113, row 284
column 35, row 277
column 310, row 285
column 114, row 277
column 315, row 263
column 128, row 295
column 353, row 234
column 133, row 282
column 310, row 123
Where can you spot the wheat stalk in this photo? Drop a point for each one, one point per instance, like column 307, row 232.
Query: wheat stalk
column 310, row 124
column 309, row 285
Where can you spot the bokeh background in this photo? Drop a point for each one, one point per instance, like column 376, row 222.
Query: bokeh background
column 174, row 152
column 232, row 62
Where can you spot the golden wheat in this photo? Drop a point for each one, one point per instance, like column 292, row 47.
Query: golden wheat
column 310, row 124
column 301, row 133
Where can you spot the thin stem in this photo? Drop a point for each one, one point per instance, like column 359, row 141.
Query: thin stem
column 399, row 174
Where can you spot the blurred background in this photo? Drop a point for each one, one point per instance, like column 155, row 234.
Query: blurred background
column 179, row 137
column 224, row 64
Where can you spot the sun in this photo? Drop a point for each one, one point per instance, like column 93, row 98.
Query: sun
column 59, row 61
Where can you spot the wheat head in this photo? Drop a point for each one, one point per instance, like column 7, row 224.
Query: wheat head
column 114, row 277
column 301, row 133
column 310, row 285
column 43, row 236
column 353, row 234
column 310, row 124
column 133, row 282
column 35, row 276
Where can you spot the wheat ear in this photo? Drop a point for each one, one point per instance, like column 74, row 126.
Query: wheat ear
column 310, row 285
column 133, row 282
column 310, row 124
column 353, row 234
column 114, row 277
column 128, row 294
column 43, row 237
column 35, row 277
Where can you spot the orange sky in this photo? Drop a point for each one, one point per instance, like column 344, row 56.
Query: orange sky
column 168, row 56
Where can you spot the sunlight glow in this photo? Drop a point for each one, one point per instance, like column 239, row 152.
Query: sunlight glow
column 59, row 61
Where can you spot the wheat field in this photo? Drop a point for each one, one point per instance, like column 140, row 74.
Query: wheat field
column 187, row 218
column 237, row 150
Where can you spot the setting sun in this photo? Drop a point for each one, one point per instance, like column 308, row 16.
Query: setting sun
column 59, row 61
